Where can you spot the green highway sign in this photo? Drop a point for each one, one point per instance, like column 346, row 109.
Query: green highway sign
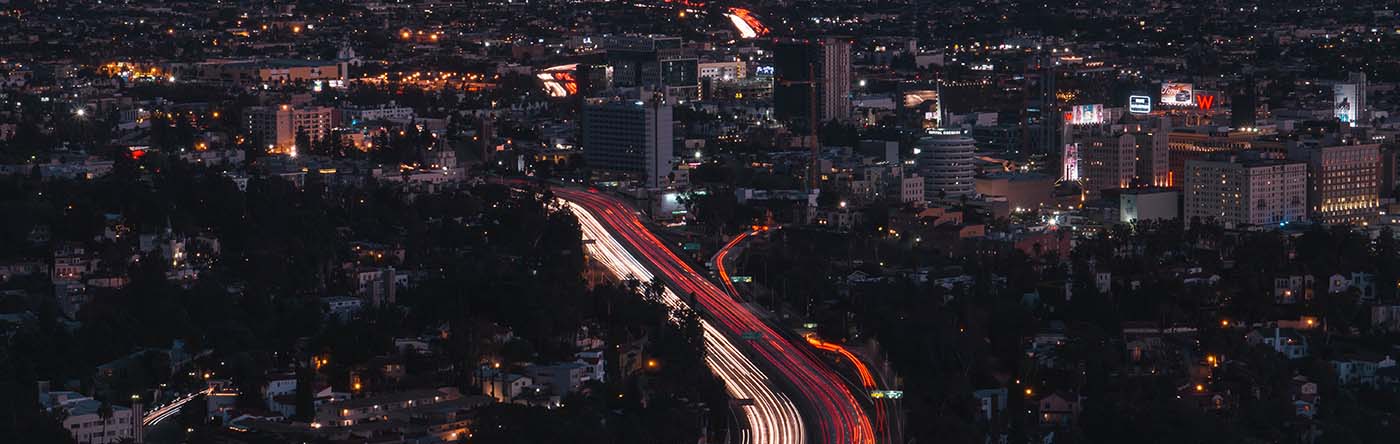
column 692, row 246
column 751, row 336
column 886, row 394
column 741, row 279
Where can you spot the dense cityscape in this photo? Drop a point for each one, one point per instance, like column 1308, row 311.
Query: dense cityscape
column 692, row 221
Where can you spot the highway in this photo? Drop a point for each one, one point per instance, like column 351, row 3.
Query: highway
column 160, row 413
column 772, row 417
column 833, row 413
column 885, row 427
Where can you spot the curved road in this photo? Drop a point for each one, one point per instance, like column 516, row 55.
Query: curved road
column 769, row 416
column 886, row 428
column 835, row 414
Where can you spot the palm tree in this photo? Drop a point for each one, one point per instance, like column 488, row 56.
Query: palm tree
column 60, row 414
column 104, row 411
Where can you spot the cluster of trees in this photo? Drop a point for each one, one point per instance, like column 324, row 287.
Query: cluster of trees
column 487, row 258
column 946, row 343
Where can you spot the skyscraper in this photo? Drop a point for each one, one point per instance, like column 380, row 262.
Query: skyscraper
column 632, row 137
column 1244, row 105
column 944, row 159
column 1153, row 163
column 1107, row 161
column 800, row 66
column 658, row 63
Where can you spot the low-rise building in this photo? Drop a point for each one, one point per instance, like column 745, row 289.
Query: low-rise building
column 83, row 417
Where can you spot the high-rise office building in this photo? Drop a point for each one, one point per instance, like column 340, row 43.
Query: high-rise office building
column 631, row 137
column 1153, row 155
column 1343, row 181
column 944, row 159
column 1235, row 191
column 1107, row 161
column 658, row 63
column 1244, row 105
column 802, row 66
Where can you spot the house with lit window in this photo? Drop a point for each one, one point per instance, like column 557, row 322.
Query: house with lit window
column 379, row 407
column 1286, row 341
column 1059, row 409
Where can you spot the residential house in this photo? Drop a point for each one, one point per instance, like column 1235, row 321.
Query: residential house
column 1286, row 341
column 594, row 365
column 341, row 307
column 503, row 386
column 991, row 402
column 559, row 379
column 1059, row 409
column 1292, row 289
column 1360, row 369
column 351, row 412
column 1385, row 317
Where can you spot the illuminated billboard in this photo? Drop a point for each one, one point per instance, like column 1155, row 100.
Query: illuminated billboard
column 925, row 100
column 744, row 22
column 1177, row 94
column 1071, row 162
column 1139, row 104
column 912, row 99
column 559, row 81
column 1086, row 115
column 1344, row 102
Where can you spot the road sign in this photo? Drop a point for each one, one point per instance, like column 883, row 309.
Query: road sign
column 751, row 336
column 741, row 279
column 887, row 394
column 692, row 246
column 809, row 325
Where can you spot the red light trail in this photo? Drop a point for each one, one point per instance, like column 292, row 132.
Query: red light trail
column 838, row 416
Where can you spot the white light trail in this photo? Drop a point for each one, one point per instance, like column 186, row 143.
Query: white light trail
column 159, row 414
column 745, row 31
column 772, row 418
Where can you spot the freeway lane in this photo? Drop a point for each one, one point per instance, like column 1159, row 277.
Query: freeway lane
column 772, row 418
column 836, row 415
column 885, row 426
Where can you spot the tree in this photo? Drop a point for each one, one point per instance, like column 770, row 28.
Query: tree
column 104, row 411
column 305, row 394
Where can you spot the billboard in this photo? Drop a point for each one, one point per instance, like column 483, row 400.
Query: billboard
column 1344, row 102
column 559, row 81
column 1086, row 115
column 912, row 99
column 1177, row 94
column 1139, row 104
column 925, row 100
column 1071, row 162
